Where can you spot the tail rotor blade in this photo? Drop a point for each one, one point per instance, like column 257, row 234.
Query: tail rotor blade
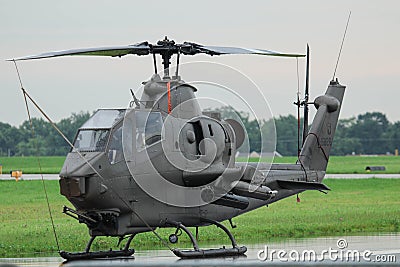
column 306, row 96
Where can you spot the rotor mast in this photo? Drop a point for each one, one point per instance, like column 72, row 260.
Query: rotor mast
column 166, row 48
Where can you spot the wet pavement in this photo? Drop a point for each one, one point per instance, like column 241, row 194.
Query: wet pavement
column 378, row 249
column 327, row 176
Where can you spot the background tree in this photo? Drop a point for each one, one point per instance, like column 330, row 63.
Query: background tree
column 9, row 138
column 370, row 129
column 393, row 136
column 252, row 127
column 368, row 133
column 47, row 140
column 286, row 134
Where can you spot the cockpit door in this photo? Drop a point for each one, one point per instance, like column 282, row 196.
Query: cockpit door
column 141, row 131
column 128, row 134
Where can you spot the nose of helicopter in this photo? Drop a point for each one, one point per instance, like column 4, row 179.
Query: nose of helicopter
column 79, row 175
column 81, row 164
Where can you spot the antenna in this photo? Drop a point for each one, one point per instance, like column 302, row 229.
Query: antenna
column 341, row 46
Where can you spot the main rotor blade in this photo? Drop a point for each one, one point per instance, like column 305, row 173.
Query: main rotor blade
column 221, row 50
column 113, row 51
column 166, row 49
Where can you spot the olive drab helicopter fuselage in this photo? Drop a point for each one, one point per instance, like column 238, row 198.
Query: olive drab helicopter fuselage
column 163, row 162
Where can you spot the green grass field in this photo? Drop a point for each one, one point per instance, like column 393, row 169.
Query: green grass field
column 30, row 164
column 352, row 164
column 353, row 207
column 337, row 164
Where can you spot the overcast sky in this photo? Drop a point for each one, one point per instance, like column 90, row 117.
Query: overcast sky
column 369, row 66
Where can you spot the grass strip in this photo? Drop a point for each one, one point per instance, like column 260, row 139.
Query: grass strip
column 353, row 207
column 337, row 164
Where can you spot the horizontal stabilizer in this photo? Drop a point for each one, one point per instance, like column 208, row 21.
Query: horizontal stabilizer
column 296, row 185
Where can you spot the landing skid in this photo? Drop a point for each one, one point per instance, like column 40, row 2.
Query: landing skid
column 88, row 255
column 210, row 253
column 72, row 256
column 207, row 253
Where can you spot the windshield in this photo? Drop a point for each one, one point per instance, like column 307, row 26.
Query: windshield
column 103, row 118
column 148, row 132
column 94, row 133
column 91, row 140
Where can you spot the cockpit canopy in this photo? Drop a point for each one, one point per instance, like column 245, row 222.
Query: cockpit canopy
column 94, row 133
column 104, row 119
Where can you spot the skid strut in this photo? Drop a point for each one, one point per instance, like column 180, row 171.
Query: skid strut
column 87, row 255
column 207, row 253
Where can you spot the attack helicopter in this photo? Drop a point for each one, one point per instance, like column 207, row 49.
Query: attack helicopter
column 165, row 163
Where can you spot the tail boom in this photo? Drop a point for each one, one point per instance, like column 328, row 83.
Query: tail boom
column 317, row 146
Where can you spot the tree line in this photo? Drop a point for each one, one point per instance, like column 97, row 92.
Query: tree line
column 19, row 141
column 368, row 133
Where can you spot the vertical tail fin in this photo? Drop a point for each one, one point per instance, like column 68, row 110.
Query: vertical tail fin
column 317, row 146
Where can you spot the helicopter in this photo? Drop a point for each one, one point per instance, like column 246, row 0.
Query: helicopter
column 163, row 162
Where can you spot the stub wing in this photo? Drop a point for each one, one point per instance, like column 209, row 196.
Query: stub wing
column 297, row 185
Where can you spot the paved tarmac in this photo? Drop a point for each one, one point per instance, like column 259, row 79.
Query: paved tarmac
column 327, row 176
column 31, row 177
column 350, row 250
